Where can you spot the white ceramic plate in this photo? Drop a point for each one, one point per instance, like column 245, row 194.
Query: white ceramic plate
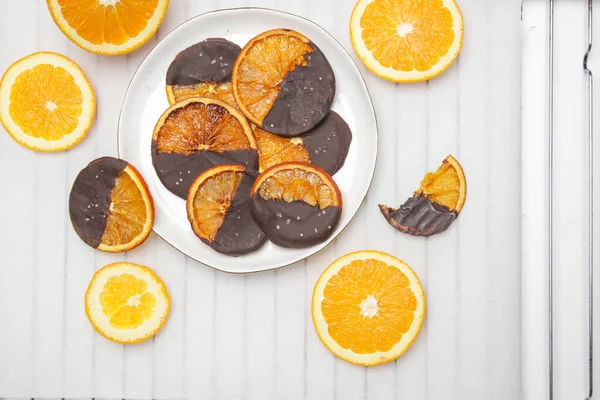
column 146, row 100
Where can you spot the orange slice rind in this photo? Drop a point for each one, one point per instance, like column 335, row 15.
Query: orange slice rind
column 46, row 102
column 127, row 303
column 368, row 307
column 407, row 41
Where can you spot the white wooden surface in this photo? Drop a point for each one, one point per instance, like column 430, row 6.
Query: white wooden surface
column 251, row 337
column 570, row 200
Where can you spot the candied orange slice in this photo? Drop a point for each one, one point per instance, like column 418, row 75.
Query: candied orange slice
column 368, row 307
column 108, row 26
column 202, row 124
column 46, row 102
column 221, row 91
column 298, row 181
column 127, row 303
column 131, row 213
column 408, row 40
column 275, row 149
column 210, row 198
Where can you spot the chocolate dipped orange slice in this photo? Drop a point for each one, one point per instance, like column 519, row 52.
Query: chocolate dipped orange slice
column 296, row 204
column 110, row 206
column 218, row 208
column 196, row 134
column 283, row 83
column 203, row 70
column 435, row 205
column 325, row 146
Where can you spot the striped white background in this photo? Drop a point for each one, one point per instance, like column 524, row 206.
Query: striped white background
column 251, row 337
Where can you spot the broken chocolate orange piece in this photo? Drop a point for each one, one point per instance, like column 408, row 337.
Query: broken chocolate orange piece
column 435, row 205
column 296, row 204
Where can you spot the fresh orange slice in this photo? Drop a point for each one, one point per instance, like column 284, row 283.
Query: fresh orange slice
column 283, row 83
column 108, row 27
column 368, row 307
column 127, row 303
column 218, row 208
column 274, row 149
column 446, row 186
column 407, row 40
column 110, row 206
column 46, row 102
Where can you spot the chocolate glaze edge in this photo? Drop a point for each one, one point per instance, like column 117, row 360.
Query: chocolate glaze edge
column 178, row 171
column 89, row 200
column 239, row 233
column 295, row 224
column 419, row 216
column 297, row 110
column 329, row 142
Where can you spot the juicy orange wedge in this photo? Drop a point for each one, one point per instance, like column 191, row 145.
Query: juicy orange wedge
column 368, row 307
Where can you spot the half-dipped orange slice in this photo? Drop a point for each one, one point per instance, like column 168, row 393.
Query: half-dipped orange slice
column 435, row 205
column 218, row 208
column 325, row 146
column 203, row 70
column 196, row 134
column 296, row 204
column 283, row 83
column 110, row 206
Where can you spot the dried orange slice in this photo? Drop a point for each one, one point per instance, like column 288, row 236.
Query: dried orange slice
column 196, row 134
column 325, row 146
column 407, row 41
column 435, row 205
column 283, row 83
column 110, row 206
column 108, row 27
column 218, row 208
column 368, row 307
column 46, row 102
column 127, row 303
column 203, row 70
column 296, row 204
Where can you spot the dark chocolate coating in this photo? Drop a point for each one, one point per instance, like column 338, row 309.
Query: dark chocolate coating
column 328, row 143
column 209, row 61
column 89, row 201
column 305, row 98
column 178, row 171
column 419, row 216
column 239, row 234
column 279, row 220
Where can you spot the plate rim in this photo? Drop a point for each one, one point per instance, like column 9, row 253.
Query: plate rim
column 362, row 80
